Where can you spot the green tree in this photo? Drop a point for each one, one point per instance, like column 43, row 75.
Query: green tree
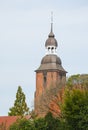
column 78, row 81
column 40, row 124
column 22, row 124
column 47, row 123
column 52, row 122
column 75, row 109
column 20, row 107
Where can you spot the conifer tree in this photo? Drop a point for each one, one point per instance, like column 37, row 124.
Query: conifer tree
column 20, row 107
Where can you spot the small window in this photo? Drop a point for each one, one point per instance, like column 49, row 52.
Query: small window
column 52, row 49
column 45, row 80
column 60, row 74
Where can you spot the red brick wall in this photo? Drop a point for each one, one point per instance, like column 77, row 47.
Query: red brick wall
column 52, row 78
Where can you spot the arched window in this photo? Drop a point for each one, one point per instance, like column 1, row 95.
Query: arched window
column 52, row 49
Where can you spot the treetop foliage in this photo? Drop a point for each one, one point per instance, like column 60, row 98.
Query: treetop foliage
column 78, row 81
column 20, row 106
column 47, row 123
column 75, row 109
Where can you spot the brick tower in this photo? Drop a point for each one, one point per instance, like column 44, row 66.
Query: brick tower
column 48, row 76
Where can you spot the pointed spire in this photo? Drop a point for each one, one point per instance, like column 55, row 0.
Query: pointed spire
column 51, row 21
column 51, row 43
column 51, row 32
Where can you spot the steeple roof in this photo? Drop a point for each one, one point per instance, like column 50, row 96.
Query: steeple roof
column 51, row 62
column 51, row 34
column 51, row 41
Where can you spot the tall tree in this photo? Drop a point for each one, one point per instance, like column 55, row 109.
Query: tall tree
column 20, row 106
column 75, row 109
column 80, row 81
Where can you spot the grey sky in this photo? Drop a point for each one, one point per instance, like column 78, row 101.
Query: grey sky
column 24, row 28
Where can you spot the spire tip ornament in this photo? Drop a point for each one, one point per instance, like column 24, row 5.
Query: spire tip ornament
column 51, row 21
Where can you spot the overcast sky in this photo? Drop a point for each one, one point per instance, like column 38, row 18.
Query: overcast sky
column 24, row 28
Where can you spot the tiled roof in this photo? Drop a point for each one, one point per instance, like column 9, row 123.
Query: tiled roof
column 8, row 120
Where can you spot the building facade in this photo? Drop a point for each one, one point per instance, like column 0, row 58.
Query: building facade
column 49, row 76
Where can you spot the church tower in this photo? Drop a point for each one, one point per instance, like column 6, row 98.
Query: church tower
column 49, row 74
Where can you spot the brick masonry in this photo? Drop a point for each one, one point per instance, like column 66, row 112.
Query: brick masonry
column 48, row 85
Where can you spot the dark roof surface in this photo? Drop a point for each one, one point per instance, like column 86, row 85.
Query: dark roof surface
column 51, row 59
column 51, row 41
column 51, row 62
